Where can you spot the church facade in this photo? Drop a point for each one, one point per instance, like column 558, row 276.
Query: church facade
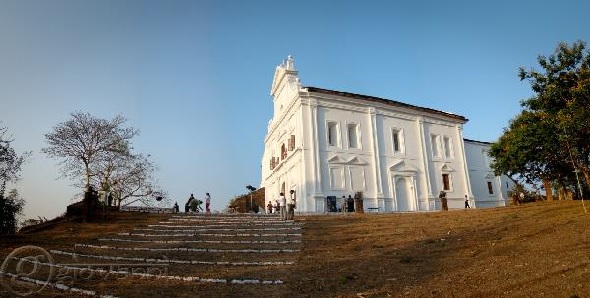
column 323, row 145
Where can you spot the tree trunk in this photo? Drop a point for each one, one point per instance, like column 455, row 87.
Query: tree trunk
column 87, row 176
column 569, row 195
column 548, row 189
column 2, row 188
column 561, row 192
column 87, row 195
column 586, row 177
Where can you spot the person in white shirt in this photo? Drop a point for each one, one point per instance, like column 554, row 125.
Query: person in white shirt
column 283, row 206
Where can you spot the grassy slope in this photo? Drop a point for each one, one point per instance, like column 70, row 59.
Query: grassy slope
column 536, row 250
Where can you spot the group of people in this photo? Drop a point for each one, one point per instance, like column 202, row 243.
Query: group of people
column 193, row 205
column 347, row 204
column 286, row 208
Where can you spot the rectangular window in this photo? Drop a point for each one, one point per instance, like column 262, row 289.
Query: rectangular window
column 447, row 146
column 446, row 182
column 283, row 152
column 396, row 141
column 292, row 143
column 352, row 135
column 490, row 187
column 434, row 143
column 332, row 134
column 273, row 162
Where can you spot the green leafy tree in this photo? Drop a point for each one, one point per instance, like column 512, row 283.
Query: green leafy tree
column 11, row 205
column 562, row 94
column 551, row 136
column 529, row 152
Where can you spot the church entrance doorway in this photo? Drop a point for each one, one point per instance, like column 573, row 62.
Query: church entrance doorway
column 404, row 196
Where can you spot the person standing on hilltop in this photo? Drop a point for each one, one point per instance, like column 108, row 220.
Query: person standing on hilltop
column 350, row 204
column 207, row 203
column 188, row 205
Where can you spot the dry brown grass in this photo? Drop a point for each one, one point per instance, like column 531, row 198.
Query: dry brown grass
column 534, row 250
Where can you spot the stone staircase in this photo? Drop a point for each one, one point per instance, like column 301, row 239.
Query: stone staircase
column 186, row 252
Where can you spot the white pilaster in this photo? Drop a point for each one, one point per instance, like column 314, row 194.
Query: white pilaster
column 425, row 164
column 464, row 163
column 315, row 150
column 376, row 152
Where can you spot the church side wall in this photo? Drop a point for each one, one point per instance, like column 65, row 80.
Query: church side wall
column 488, row 189
column 388, row 169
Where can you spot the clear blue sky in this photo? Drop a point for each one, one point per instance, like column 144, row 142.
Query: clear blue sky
column 194, row 76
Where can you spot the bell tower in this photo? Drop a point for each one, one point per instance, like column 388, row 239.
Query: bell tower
column 285, row 84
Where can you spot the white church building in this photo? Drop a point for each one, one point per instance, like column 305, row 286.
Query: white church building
column 323, row 144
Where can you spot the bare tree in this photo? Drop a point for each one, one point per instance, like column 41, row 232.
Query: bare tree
column 84, row 140
column 98, row 152
column 128, row 177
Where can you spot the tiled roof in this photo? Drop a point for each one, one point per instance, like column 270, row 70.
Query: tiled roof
column 386, row 101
